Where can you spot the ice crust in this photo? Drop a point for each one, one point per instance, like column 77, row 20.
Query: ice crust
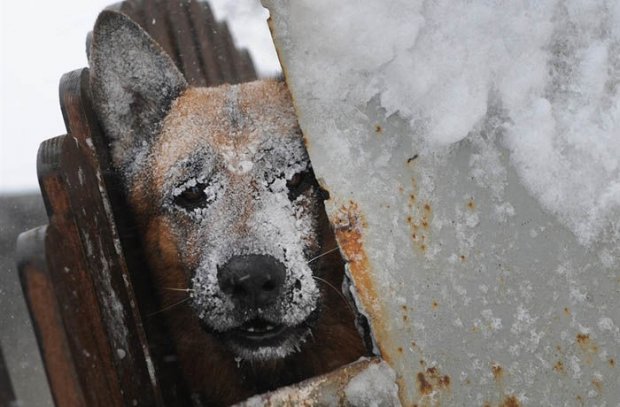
column 549, row 72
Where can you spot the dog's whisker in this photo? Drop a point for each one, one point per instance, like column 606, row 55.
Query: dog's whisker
column 185, row 290
column 338, row 291
column 169, row 306
column 322, row 254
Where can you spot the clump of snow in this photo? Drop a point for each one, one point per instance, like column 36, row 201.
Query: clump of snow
column 373, row 387
column 552, row 70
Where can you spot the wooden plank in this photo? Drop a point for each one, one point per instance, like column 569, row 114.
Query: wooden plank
column 203, row 23
column 245, row 66
column 233, row 55
column 104, row 259
column 157, row 25
column 160, row 346
column 47, row 321
column 222, row 45
column 73, row 286
column 134, row 10
column 184, row 41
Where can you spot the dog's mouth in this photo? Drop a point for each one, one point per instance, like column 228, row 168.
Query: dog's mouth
column 261, row 339
column 259, row 331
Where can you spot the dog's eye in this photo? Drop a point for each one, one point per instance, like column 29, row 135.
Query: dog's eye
column 298, row 184
column 296, row 180
column 192, row 197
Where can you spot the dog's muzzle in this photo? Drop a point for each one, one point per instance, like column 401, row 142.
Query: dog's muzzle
column 252, row 281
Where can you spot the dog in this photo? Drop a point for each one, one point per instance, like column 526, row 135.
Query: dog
column 231, row 217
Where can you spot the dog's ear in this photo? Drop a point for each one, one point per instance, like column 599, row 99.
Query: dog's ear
column 133, row 83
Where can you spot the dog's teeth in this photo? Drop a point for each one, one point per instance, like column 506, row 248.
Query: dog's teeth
column 250, row 329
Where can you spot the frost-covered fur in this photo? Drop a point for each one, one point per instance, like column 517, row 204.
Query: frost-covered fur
column 241, row 149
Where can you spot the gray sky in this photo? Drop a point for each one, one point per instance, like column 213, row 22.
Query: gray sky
column 41, row 41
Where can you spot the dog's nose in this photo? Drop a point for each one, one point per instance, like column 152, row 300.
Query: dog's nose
column 252, row 280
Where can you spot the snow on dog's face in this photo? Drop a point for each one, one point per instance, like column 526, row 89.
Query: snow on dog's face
column 221, row 184
column 233, row 179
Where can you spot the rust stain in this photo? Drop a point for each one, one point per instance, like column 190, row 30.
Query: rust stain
column 349, row 223
column 471, row 204
column 559, row 367
column 431, row 380
column 587, row 346
column 498, row 372
column 378, row 128
column 424, row 387
column 435, row 304
column 510, row 401
column 419, row 218
column 612, row 362
column 566, row 311
column 583, row 339
column 462, row 257
column 598, row 385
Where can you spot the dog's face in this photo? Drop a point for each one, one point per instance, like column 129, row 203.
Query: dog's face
column 221, row 182
column 232, row 180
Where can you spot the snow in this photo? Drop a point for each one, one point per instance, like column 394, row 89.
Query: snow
column 549, row 71
column 373, row 387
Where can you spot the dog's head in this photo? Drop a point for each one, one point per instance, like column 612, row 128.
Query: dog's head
column 222, row 186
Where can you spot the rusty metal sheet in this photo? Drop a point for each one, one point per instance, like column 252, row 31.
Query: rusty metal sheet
column 475, row 295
